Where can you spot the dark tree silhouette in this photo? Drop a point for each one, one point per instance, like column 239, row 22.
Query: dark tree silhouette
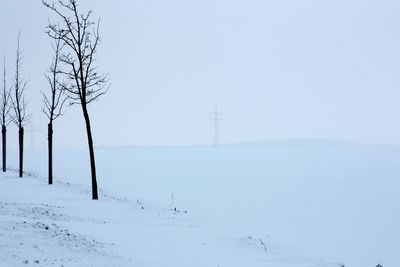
column 19, row 105
column 54, row 101
column 80, row 35
column 4, row 113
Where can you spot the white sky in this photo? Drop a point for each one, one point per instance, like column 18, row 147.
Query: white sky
column 277, row 69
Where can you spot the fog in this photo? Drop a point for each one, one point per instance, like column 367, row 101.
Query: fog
column 276, row 69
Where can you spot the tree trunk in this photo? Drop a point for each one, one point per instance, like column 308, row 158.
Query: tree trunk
column 21, row 150
column 4, row 143
column 91, row 153
column 50, row 141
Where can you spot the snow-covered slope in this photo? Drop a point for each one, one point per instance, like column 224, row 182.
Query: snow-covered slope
column 249, row 205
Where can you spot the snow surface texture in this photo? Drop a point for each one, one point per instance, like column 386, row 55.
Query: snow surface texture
column 251, row 205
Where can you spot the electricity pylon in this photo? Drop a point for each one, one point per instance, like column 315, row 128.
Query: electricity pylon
column 216, row 118
column 32, row 130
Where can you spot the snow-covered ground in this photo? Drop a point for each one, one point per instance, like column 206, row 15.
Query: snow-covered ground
column 278, row 204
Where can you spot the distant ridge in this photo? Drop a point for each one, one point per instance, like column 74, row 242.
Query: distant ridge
column 279, row 142
column 296, row 142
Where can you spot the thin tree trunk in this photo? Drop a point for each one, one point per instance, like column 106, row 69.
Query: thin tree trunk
column 91, row 153
column 4, row 146
column 50, row 140
column 21, row 150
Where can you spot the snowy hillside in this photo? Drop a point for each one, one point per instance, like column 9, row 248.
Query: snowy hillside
column 279, row 205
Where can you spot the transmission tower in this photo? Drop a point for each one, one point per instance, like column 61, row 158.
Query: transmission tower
column 216, row 118
column 32, row 130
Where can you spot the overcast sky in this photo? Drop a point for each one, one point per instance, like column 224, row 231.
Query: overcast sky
column 276, row 69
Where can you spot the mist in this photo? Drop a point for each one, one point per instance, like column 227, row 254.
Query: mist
column 276, row 69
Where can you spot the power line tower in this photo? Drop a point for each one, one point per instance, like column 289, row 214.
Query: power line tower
column 216, row 118
column 32, row 130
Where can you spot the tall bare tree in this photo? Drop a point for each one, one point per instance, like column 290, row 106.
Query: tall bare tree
column 5, row 108
column 19, row 105
column 54, row 101
column 80, row 34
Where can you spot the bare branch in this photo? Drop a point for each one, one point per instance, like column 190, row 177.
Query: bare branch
column 19, row 104
column 80, row 36
column 5, row 106
column 54, row 101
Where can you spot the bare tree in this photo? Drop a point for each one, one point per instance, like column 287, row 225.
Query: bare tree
column 54, row 102
column 5, row 108
column 19, row 105
column 81, row 38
